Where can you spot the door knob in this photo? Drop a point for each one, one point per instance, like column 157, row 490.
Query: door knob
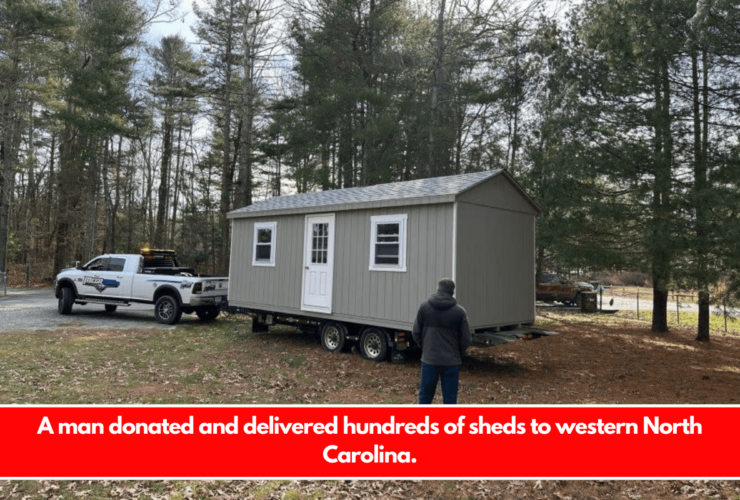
column 306, row 267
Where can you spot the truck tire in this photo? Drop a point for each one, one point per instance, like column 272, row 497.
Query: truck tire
column 333, row 336
column 579, row 300
column 66, row 299
column 374, row 344
column 167, row 310
column 207, row 313
column 110, row 308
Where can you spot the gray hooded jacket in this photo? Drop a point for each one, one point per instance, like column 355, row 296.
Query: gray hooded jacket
column 441, row 329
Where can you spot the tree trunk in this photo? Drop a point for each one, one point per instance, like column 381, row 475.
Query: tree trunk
column 661, row 237
column 66, row 188
column 700, row 198
column 176, row 195
column 227, row 174
column 160, row 236
column 436, row 83
column 249, row 39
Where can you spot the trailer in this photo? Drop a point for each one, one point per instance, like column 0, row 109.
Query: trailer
column 354, row 264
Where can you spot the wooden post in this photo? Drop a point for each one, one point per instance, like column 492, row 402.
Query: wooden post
column 724, row 307
column 678, row 314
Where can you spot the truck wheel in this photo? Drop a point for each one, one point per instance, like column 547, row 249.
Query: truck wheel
column 207, row 313
column 333, row 336
column 167, row 310
column 374, row 344
column 66, row 299
column 110, row 308
column 579, row 301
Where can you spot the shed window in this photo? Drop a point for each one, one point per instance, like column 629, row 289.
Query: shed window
column 388, row 243
column 264, row 244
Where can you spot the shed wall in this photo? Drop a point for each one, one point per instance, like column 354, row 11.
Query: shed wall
column 495, row 265
column 384, row 298
column 498, row 192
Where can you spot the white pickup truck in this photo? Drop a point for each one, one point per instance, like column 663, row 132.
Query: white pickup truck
column 150, row 278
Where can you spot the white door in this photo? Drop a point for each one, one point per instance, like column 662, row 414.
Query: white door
column 318, row 258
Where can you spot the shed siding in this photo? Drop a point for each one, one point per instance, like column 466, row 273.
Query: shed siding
column 360, row 295
column 498, row 192
column 268, row 286
column 495, row 265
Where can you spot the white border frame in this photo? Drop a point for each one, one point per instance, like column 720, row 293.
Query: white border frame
column 264, row 225
column 402, row 220
column 433, row 409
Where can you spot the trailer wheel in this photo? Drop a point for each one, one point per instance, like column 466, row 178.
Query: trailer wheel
column 66, row 299
column 110, row 308
column 167, row 310
column 207, row 313
column 374, row 344
column 333, row 336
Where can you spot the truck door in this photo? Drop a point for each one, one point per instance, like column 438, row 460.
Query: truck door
column 119, row 274
column 98, row 281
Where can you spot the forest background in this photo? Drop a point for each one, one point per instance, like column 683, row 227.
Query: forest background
column 620, row 118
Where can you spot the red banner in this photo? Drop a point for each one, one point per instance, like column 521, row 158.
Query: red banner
column 369, row 442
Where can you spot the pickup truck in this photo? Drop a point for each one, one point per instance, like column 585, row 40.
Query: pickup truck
column 153, row 277
column 557, row 288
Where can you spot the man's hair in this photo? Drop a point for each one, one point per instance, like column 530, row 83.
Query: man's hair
column 446, row 285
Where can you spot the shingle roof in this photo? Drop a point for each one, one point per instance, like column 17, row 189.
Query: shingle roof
column 347, row 198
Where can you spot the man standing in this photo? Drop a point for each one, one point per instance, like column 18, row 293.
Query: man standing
column 441, row 329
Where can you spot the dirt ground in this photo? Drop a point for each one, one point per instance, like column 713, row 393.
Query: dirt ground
column 596, row 359
column 327, row 490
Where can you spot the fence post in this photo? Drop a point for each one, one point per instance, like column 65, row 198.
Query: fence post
column 678, row 315
column 724, row 307
column 601, row 298
column 638, row 302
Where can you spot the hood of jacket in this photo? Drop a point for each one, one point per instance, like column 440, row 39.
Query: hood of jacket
column 442, row 301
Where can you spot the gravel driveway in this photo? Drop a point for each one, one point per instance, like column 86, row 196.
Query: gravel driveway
column 36, row 309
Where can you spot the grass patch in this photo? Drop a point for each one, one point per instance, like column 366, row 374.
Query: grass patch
column 553, row 318
column 690, row 319
column 222, row 362
column 295, row 361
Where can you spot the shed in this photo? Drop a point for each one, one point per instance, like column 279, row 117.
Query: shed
column 371, row 255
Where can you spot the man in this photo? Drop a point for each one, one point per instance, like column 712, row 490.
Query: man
column 441, row 329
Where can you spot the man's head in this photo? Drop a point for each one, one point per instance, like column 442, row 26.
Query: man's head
column 446, row 285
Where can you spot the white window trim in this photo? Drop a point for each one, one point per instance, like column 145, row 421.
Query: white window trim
column 401, row 219
column 264, row 225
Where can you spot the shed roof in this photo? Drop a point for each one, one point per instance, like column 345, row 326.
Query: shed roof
column 417, row 192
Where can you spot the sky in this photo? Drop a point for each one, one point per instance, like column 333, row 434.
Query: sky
column 181, row 27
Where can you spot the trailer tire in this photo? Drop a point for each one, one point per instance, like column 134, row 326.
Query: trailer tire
column 167, row 310
column 333, row 336
column 207, row 313
column 374, row 344
column 110, row 308
column 66, row 299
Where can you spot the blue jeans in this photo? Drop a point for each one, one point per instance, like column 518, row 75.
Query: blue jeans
column 430, row 374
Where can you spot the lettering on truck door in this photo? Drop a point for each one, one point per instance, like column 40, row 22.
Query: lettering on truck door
column 98, row 281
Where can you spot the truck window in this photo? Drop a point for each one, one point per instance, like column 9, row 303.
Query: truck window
column 100, row 264
column 116, row 264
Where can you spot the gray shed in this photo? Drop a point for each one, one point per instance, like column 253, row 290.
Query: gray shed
column 367, row 257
